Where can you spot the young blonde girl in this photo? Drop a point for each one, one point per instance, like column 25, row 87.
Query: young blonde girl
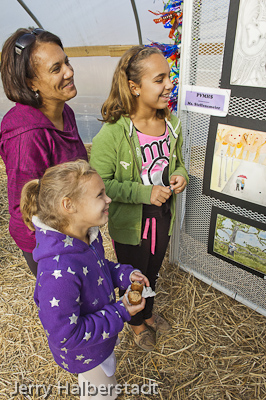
column 75, row 282
column 138, row 155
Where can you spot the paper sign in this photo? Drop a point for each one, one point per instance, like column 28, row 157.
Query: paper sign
column 205, row 100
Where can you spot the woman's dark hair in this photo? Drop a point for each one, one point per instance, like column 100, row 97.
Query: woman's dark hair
column 17, row 68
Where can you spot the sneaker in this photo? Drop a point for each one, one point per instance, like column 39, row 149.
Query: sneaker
column 159, row 324
column 145, row 339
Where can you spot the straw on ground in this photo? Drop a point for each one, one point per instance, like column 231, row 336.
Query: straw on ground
column 215, row 351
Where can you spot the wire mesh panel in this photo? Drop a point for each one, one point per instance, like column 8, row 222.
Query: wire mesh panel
column 189, row 244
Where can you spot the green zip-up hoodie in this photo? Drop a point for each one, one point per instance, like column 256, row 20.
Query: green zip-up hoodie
column 116, row 156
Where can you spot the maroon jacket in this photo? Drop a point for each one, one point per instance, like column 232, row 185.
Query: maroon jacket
column 29, row 144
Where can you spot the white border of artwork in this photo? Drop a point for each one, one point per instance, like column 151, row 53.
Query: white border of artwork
column 249, row 55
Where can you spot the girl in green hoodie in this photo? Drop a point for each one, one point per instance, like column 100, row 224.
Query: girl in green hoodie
column 138, row 155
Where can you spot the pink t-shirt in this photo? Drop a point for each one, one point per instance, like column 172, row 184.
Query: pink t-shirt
column 155, row 151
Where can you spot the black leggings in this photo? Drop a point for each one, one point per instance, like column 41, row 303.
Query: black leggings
column 140, row 256
column 31, row 263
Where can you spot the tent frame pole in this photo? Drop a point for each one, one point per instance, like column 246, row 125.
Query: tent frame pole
column 137, row 20
column 28, row 11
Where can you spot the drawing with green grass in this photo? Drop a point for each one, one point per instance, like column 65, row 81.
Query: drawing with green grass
column 239, row 240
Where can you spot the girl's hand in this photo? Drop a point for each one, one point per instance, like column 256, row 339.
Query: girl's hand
column 133, row 309
column 178, row 183
column 138, row 276
column 159, row 195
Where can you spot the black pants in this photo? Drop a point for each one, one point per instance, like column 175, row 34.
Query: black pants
column 31, row 263
column 140, row 256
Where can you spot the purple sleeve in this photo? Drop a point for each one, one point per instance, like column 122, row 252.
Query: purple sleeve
column 120, row 274
column 59, row 312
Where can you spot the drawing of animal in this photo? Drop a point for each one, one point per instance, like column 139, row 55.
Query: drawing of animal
column 255, row 143
column 256, row 30
column 235, row 140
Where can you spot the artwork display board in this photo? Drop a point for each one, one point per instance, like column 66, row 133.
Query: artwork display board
column 225, row 156
column 238, row 240
column 244, row 64
column 235, row 164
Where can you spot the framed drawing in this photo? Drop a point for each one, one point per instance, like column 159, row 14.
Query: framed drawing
column 244, row 65
column 235, row 164
column 238, row 240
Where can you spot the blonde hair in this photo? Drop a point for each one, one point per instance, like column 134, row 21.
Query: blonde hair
column 43, row 197
column 130, row 67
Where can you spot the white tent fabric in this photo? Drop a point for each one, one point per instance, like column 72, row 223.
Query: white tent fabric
column 86, row 23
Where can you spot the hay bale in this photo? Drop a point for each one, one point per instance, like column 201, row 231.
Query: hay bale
column 215, row 351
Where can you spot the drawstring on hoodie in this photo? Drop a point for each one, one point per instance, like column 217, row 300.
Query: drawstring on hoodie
column 153, row 220
column 153, row 232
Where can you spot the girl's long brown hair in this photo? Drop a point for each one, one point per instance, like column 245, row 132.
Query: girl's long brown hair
column 120, row 100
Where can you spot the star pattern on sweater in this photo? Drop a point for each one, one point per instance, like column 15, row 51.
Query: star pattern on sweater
column 95, row 302
column 105, row 335
column 54, row 302
column 87, row 361
column 73, row 319
column 64, row 349
column 70, row 271
column 100, row 281
column 78, row 301
column 68, row 241
column 57, row 273
column 80, row 357
column 43, row 230
column 87, row 336
column 111, row 297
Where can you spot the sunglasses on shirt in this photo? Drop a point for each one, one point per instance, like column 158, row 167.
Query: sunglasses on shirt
column 27, row 39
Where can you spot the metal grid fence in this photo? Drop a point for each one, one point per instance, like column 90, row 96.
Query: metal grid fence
column 190, row 239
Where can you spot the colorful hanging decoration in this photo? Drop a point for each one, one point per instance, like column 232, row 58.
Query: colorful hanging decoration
column 171, row 18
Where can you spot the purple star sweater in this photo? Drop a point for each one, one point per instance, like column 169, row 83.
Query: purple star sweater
column 75, row 296
column 29, row 144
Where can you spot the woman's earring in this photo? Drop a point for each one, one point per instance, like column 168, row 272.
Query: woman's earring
column 36, row 94
column 137, row 94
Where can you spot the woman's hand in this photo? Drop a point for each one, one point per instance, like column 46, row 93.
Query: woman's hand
column 138, row 276
column 133, row 309
column 159, row 195
column 178, row 183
